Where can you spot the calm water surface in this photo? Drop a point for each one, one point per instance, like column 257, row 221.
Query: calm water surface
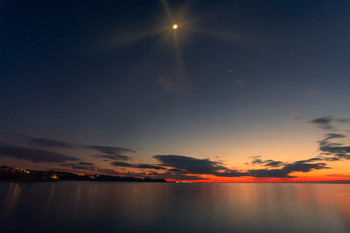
column 157, row 207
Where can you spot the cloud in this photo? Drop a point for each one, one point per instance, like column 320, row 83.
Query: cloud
column 268, row 173
column 86, row 163
column 257, row 161
column 337, row 152
column 304, row 166
column 122, row 164
column 327, row 122
column 177, row 171
column 313, row 159
column 185, row 167
column 192, row 165
column 48, row 142
column 332, row 136
column 34, row 155
column 331, row 151
column 323, row 122
column 230, row 173
column 267, row 163
column 80, row 166
column 110, row 150
column 149, row 166
column 140, row 166
column 298, row 166
column 112, row 157
column 335, row 149
column 189, row 164
column 273, row 163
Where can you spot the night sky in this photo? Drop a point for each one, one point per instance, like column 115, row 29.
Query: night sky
column 240, row 91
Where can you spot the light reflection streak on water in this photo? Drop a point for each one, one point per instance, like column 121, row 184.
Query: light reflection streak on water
column 13, row 195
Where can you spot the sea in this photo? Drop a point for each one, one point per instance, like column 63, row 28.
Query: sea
column 67, row 207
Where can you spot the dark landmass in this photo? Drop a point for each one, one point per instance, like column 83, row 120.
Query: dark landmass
column 12, row 174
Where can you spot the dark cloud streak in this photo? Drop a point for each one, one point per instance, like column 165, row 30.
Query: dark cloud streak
column 140, row 166
column 48, row 142
column 331, row 151
column 112, row 157
column 267, row 163
column 34, row 155
column 323, row 122
column 110, row 150
column 298, row 166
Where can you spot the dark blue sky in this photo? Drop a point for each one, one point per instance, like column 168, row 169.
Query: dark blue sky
column 95, row 72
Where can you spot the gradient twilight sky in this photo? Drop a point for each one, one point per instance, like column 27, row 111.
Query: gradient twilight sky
column 240, row 91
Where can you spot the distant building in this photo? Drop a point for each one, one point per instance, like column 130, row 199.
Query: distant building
column 6, row 169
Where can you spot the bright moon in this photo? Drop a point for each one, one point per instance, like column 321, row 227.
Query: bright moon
column 175, row 26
